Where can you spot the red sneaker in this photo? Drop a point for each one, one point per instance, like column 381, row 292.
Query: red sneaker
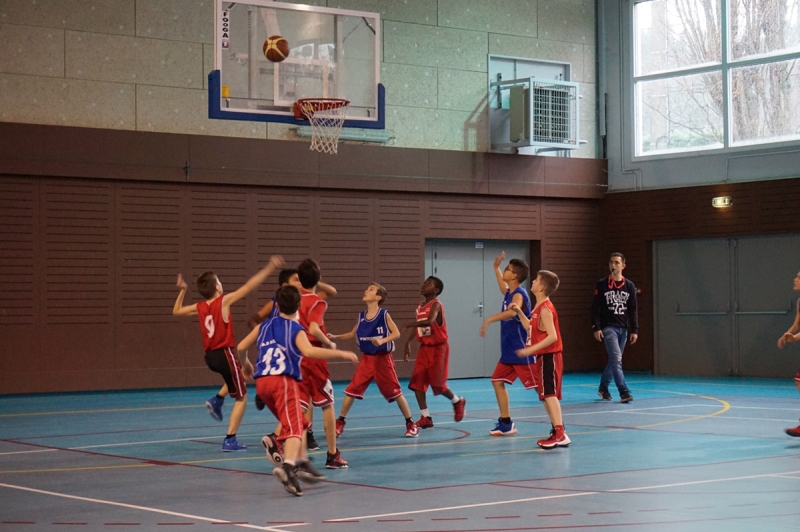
column 794, row 432
column 335, row 461
column 425, row 422
column 412, row 431
column 459, row 409
column 557, row 439
column 340, row 422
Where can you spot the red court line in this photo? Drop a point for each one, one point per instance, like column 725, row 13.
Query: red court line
column 60, row 523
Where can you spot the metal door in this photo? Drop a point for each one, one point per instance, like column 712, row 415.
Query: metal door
column 765, row 306
column 466, row 267
column 693, row 314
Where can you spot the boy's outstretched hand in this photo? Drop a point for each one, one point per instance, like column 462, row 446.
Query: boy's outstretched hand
column 277, row 261
column 181, row 284
column 499, row 259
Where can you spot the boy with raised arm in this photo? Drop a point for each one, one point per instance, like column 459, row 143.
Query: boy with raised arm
column 545, row 343
column 793, row 335
column 216, row 329
column 375, row 332
column 282, row 344
column 513, row 336
column 433, row 357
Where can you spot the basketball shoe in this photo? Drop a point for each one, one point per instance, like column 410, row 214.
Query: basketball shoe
column 557, row 438
column 335, row 461
column 311, row 443
column 503, row 429
column 287, row 474
column 232, row 444
column 425, row 422
column 412, row 431
column 273, row 449
column 794, row 432
column 308, row 473
column 459, row 409
column 340, row 423
column 214, row 406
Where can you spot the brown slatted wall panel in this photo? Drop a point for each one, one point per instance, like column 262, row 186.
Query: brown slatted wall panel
column 570, row 243
column 400, row 254
column 486, row 218
column 78, row 238
column 18, row 249
column 219, row 237
column 345, row 251
column 285, row 226
column 148, row 251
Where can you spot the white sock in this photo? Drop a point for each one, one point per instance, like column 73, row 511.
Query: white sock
column 455, row 399
column 290, row 462
column 424, row 412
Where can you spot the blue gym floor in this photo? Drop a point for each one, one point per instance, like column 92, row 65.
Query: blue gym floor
column 687, row 454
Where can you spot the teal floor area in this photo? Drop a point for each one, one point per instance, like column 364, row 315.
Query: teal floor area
column 686, row 454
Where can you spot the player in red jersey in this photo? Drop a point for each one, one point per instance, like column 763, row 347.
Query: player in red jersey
column 433, row 357
column 793, row 335
column 317, row 385
column 216, row 329
column 545, row 343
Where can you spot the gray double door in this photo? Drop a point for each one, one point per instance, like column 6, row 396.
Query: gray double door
column 466, row 267
column 722, row 304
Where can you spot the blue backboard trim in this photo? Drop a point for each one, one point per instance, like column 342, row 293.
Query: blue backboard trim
column 215, row 110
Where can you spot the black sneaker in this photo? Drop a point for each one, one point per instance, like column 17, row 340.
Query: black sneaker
column 287, row 474
column 311, row 443
column 259, row 403
column 604, row 395
column 308, row 473
column 625, row 397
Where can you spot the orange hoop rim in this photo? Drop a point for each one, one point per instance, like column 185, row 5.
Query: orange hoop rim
column 318, row 104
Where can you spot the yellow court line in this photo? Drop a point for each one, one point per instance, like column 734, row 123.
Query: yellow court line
column 73, row 412
column 76, row 469
column 725, row 407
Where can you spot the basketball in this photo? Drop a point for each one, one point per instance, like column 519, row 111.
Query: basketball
column 276, row 48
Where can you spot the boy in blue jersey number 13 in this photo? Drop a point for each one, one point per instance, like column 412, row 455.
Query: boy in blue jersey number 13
column 281, row 344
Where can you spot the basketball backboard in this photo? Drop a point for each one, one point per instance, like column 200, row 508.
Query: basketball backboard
column 333, row 53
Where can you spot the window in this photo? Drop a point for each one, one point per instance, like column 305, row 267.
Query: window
column 714, row 74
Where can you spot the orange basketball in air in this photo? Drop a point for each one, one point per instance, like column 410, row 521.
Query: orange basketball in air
column 276, row 48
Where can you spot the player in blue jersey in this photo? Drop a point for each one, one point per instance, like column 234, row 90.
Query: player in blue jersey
column 375, row 333
column 513, row 337
column 281, row 344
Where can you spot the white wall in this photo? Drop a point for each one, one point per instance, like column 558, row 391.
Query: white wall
column 142, row 64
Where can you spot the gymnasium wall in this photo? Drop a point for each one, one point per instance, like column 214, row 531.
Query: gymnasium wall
column 142, row 65
column 632, row 221
column 95, row 224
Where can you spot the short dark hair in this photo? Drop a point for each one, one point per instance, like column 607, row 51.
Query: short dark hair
column 549, row 280
column 437, row 283
column 207, row 284
column 285, row 275
column 380, row 292
column 618, row 254
column 308, row 273
column 521, row 268
column 288, row 298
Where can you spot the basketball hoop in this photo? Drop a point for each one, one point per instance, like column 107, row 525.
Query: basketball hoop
column 326, row 116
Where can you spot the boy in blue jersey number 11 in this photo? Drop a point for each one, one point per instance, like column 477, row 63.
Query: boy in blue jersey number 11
column 375, row 333
column 281, row 344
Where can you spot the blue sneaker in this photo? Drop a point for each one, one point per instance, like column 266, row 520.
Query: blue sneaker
column 214, row 406
column 232, row 444
column 503, row 429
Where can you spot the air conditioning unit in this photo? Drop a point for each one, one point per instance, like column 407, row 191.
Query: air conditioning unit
column 541, row 114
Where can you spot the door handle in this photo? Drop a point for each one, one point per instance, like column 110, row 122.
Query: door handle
column 480, row 309
column 766, row 312
column 711, row 313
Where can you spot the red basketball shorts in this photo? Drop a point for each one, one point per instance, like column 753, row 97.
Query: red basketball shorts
column 430, row 368
column 379, row 367
column 281, row 394
column 317, row 388
column 526, row 373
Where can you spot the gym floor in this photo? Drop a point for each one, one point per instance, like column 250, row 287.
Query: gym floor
column 687, row 454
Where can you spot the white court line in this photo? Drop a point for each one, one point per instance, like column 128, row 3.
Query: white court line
column 146, row 509
column 30, row 452
column 560, row 496
column 764, row 408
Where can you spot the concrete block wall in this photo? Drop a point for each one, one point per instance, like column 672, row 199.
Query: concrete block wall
column 142, row 64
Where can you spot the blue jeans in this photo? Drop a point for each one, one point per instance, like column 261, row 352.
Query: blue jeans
column 615, row 339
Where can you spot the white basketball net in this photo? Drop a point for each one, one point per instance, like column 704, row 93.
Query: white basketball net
column 326, row 124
